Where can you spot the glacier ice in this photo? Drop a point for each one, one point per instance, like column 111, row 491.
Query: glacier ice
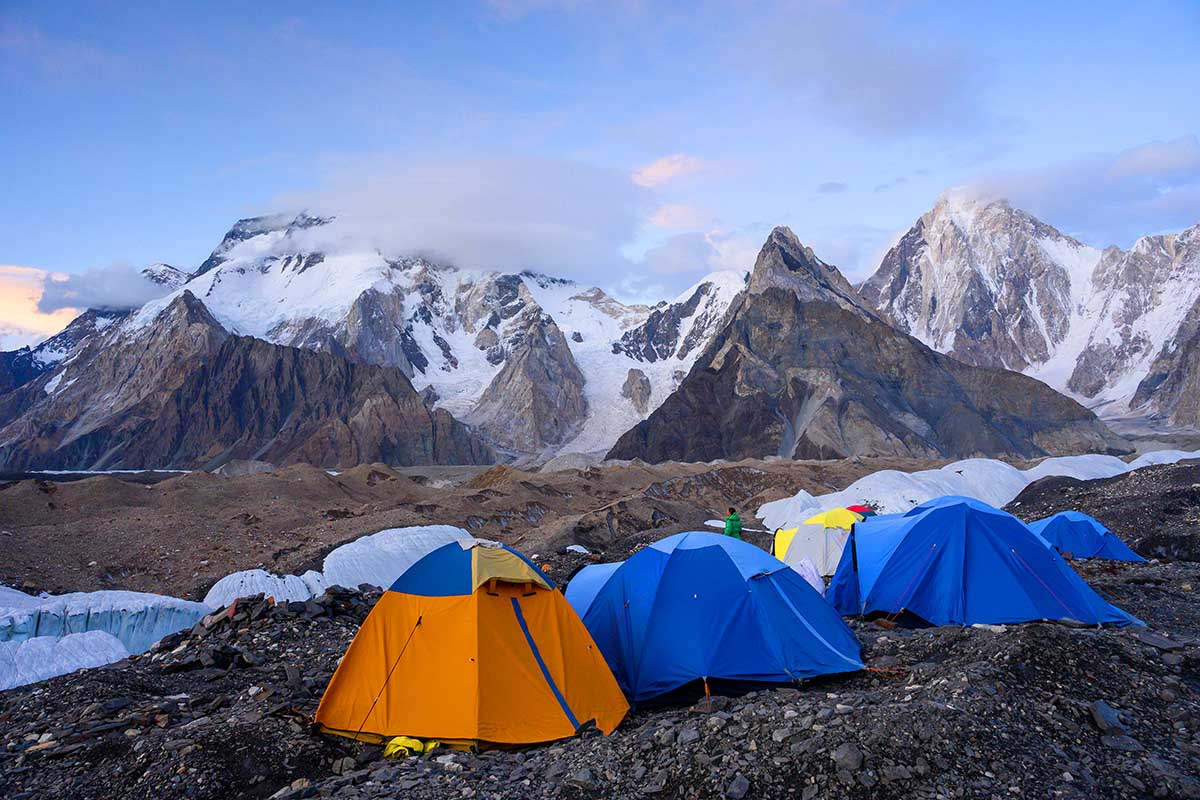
column 31, row 660
column 382, row 557
column 247, row 583
column 137, row 619
column 377, row 559
column 11, row 598
column 986, row 479
column 1163, row 457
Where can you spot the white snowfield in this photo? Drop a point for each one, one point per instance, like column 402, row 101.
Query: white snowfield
column 985, row 479
column 43, row 657
column 377, row 560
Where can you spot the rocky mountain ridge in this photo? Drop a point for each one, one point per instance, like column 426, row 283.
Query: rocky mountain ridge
column 804, row 368
column 994, row 286
column 180, row 391
column 18, row 367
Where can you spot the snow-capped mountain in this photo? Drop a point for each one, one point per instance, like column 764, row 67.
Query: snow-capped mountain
column 993, row 285
column 534, row 362
column 179, row 391
column 801, row 367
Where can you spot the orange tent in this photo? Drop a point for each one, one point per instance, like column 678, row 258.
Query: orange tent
column 472, row 645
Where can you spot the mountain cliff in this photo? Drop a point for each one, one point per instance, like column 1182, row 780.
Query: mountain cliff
column 18, row 367
column 176, row 389
column 992, row 285
column 804, row 368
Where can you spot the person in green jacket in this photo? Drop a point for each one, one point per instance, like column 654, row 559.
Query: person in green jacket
column 733, row 524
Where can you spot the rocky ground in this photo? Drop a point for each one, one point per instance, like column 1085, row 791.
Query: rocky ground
column 1036, row 711
column 178, row 536
column 1155, row 510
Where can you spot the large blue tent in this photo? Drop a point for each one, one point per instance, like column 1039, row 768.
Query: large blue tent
column 704, row 606
column 958, row 561
column 1083, row 537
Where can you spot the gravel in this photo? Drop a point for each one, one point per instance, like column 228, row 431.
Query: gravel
column 1036, row 710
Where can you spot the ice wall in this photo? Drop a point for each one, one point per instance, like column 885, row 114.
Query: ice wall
column 382, row 557
column 32, row 660
column 137, row 619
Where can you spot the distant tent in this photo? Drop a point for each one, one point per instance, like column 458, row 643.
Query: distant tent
column 820, row 539
column 958, row 561
column 862, row 511
column 471, row 645
column 701, row 606
column 1083, row 537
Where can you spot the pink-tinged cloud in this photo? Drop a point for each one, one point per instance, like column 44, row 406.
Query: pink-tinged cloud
column 21, row 322
column 666, row 169
column 679, row 216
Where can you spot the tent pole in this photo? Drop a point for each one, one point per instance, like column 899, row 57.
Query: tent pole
column 388, row 678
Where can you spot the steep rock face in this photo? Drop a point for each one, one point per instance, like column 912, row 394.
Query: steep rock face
column 677, row 329
column 804, row 369
column 1171, row 388
column 1142, row 303
column 537, row 400
column 636, row 389
column 982, row 281
column 180, row 391
column 18, row 367
column 992, row 285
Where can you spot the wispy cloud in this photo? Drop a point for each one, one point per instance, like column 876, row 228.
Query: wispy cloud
column 1109, row 198
column 27, row 53
column 892, row 184
column 832, row 187
column 679, row 216
column 503, row 213
column 666, row 169
column 115, row 287
column 21, row 321
column 849, row 67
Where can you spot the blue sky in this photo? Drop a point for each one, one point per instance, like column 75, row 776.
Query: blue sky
column 634, row 145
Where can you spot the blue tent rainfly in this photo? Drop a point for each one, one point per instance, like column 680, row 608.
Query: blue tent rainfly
column 958, row 561
column 1083, row 537
column 704, row 606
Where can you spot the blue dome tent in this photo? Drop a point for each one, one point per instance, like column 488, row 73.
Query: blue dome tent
column 701, row 606
column 958, row 561
column 1083, row 537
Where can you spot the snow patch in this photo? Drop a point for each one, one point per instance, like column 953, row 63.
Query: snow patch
column 382, row 557
column 991, row 481
column 251, row 582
